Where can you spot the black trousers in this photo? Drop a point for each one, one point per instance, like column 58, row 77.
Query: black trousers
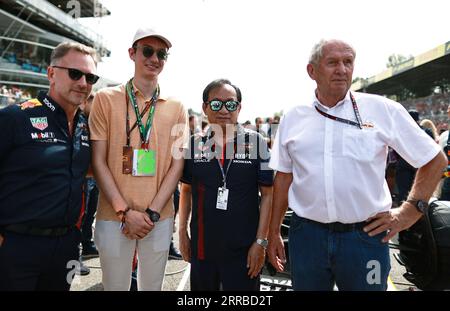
column 445, row 193
column 91, row 198
column 176, row 200
column 29, row 263
column 229, row 274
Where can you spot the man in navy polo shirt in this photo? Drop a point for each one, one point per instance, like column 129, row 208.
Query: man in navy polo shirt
column 224, row 170
column 44, row 156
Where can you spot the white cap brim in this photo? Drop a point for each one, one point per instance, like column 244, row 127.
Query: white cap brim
column 142, row 33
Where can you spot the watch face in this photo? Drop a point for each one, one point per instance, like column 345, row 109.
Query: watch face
column 262, row 242
column 154, row 216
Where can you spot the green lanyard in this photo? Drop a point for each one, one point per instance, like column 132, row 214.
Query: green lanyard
column 144, row 132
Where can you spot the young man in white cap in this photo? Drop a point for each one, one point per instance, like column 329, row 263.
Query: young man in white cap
column 135, row 168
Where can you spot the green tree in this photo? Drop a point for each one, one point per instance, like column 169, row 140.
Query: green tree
column 357, row 79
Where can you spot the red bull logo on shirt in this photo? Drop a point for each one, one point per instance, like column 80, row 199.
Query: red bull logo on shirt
column 30, row 104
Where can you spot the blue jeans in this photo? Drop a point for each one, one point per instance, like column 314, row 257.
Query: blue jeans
column 321, row 258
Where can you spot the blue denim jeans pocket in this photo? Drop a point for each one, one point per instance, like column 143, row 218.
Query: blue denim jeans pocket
column 362, row 262
column 319, row 258
column 371, row 240
column 308, row 256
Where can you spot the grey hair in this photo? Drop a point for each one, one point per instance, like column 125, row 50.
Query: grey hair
column 65, row 47
column 317, row 50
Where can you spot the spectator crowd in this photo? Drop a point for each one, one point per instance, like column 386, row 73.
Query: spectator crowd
column 22, row 56
column 432, row 107
column 10, row 95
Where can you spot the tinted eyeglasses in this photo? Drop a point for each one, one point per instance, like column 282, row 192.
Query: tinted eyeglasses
column 217, row 104
column 148, row 52
column 76, row 75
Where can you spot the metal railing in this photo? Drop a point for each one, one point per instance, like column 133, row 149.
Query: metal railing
column 61, row 19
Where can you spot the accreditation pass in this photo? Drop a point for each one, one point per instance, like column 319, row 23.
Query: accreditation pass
column 222, row 198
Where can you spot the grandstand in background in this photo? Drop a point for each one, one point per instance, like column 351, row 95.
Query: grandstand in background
column 421, row 83
column 29, row 30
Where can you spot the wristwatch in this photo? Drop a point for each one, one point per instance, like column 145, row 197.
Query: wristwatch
column 420, row 205
column 262, row 242
column 154, row 216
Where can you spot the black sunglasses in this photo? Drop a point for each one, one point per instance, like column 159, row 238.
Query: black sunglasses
column 148, row 52
column 217, row 104
column 76, row 75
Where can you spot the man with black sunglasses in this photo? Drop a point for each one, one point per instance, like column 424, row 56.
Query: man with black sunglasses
column 76, row 74
column 330, row 156
column 44, row 157
column 224, row 171
column 136, row 134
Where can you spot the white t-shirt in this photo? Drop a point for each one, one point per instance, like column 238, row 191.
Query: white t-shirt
column 338, row 169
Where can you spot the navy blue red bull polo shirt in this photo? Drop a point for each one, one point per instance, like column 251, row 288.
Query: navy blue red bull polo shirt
column 42, row 167
column 220, row 234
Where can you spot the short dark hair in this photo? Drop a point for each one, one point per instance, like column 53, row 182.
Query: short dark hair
column 217, row 83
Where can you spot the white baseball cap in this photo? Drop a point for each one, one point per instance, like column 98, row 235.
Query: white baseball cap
column 150, row 32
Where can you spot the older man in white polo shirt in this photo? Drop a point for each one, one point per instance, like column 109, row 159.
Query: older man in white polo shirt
column 330, row 157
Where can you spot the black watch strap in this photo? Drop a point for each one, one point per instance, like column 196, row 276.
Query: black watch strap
column 154, row 216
